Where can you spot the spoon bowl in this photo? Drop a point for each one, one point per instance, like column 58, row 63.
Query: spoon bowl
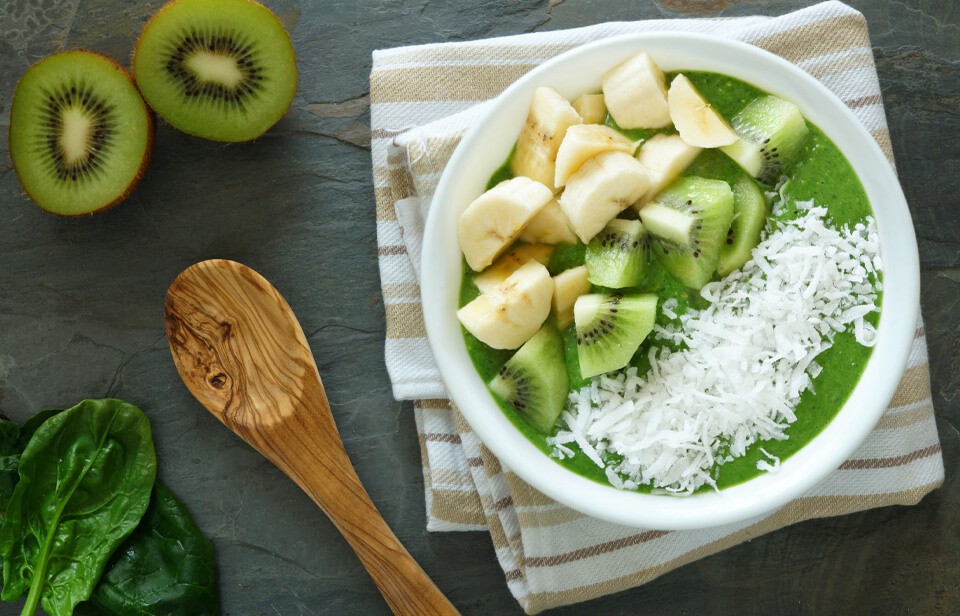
column 243, row 355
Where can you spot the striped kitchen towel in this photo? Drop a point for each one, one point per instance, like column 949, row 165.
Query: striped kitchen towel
column 423, row 98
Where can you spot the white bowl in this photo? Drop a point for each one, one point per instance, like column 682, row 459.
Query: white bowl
column 487, row 145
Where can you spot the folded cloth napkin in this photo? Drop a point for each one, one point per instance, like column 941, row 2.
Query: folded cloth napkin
column 423, row 98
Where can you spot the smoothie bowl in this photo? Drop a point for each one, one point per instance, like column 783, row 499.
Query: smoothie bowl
column 670, row 280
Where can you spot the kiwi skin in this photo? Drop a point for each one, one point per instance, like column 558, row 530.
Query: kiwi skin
column 196, row 133
column 145, row 163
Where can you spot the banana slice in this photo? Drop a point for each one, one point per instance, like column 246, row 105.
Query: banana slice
column 592, row 108
column 548, row 119
column 603, row 187
column 697, row 121
column 636, row 93
column 513, row 311
column 550, row 226
column 665, row 156
column 568, row 285
column 584, row 141
column 511, row 262
column 494, row 220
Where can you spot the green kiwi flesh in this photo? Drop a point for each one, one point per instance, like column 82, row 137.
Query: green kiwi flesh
column 610, row 328
column 749, row 218
column 688, row 222
column 219, row 69
column 534, row 381
column 771, row 132
column 617, row 256
column 80, row 134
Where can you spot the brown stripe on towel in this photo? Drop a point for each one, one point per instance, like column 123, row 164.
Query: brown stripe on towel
column 594, row 550
column 513, row 575
column 863, row 101
column 440, row 437
column 856, row 465
column 391, row 250
column 433, row 403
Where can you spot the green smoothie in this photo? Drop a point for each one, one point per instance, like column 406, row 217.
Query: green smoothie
column 821, row 173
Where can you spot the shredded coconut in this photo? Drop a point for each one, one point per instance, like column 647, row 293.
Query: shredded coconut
column 743, row 363
column 772, row 466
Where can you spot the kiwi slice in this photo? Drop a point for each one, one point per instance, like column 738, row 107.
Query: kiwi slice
column 617, row 256
column 80, row 134
column 610, row 328
column 534, row 381
column 688, row 222
column 749, row 218
column 219, row 69
column 771, row 132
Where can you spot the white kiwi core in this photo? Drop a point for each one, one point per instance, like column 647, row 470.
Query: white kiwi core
column 75, row 135
column 667, row 223
column 214, row 67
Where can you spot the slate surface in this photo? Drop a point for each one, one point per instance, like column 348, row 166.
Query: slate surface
column 81, row 313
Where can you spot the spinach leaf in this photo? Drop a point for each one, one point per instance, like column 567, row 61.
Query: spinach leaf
column 85, row 482
column 9, row 434
column 165, row 568
column 31, row 425
column 13, row 440
column 9, row 461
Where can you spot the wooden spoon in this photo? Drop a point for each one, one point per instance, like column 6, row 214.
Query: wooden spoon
column 241, row 352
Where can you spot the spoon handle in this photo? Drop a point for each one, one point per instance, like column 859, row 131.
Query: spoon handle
column 311, row 453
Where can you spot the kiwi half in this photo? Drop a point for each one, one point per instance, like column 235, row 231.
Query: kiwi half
column 688, row 223
column 80, row 134
column 219, row 69
column 534, row 380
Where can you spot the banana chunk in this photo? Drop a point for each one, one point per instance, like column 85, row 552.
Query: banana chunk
column 602, row 188
column 550, row 226
column 548, row 119
column 696, row 120
column 512, row 312
column 636, row 93
column 665, row 156
column 584, row 141
column 511, row 262
column 568, row 285
column 592, row 108
column 494, row 220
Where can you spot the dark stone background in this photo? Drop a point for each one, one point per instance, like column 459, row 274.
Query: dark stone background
column 81, row 313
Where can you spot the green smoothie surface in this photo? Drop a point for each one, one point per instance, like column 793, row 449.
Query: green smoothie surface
column 821, row 173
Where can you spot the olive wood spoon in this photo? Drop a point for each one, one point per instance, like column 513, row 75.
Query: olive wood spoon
column 241, row 352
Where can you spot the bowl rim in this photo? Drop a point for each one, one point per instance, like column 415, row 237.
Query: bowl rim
column 756, row 497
